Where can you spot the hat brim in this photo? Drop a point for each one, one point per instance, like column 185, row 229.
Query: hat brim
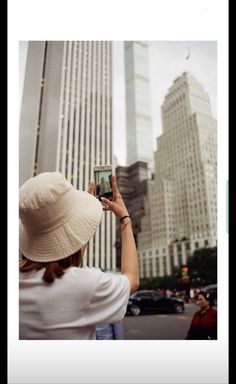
column 68, row 238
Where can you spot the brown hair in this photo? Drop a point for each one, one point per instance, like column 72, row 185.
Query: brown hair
column 54, row 269
column 206, row 295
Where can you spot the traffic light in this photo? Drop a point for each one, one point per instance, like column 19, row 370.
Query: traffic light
column 185, row 274
column 185, row 271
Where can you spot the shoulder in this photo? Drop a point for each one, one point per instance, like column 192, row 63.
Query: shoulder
column 213, row 311
column 87, row 272
column 88, row 275
column 96, row 275
column 110, row 284
column 111, row 279
column 82, row 278
column 196, row 315
column 34, row 276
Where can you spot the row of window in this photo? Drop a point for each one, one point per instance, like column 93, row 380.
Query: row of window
column 179, row 249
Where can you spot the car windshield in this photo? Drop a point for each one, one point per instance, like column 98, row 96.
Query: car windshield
column 145, row 294
column 210, row 287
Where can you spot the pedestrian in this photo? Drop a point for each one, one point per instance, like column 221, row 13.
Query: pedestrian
column 168, row 292
column 58, row 298
column 110, row 331
column 192, row 295
column 204, row 322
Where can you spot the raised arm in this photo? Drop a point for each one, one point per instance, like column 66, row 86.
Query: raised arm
column 129, row 256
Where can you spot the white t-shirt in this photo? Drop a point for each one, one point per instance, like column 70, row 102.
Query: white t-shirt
column 71, row 306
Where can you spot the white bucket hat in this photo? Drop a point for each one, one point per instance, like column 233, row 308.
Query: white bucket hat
column 56, row 219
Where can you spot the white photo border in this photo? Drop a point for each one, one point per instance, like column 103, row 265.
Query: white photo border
column 124, row 361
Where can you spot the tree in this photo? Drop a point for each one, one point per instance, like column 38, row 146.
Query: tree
column 202, row 270
column 203, row 266
column 163, row 282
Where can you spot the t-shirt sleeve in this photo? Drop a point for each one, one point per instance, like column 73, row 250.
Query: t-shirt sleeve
column 109, row 300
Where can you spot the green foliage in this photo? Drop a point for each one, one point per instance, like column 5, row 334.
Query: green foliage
column 203, row 266
column 202, row 269
column 164, row 282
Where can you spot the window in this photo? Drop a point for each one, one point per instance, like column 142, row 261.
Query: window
column 143, row 295
column 206, row 243
column 196, row 245
column 187, row 246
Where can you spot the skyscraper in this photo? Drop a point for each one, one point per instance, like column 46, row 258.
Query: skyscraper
column 133, row 185
column 183, row 201
column 66, row 121
column 138, row 103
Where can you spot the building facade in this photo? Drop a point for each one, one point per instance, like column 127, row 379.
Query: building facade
column 66, row 122
column 183, row 199
column 133, row 185
column 138, row 103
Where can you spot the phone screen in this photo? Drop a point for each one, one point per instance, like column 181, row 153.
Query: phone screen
column 103, row 184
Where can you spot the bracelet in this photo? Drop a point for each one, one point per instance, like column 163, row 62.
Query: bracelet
column 125, row 225
column 124, row 217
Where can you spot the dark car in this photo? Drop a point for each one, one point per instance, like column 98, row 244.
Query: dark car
column 212, row 289
column 150, row 301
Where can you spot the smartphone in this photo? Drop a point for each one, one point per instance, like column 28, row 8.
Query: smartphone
column 103, row 181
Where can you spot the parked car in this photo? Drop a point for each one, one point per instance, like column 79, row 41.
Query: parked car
column 150, row 301
column 212, row 289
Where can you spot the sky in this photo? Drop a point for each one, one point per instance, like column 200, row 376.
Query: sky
column 167, row 61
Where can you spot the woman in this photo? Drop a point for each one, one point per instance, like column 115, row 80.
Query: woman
column 204, row 322
column 58, row 298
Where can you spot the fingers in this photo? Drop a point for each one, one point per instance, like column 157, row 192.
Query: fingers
column 91, row 189
column 112, row 206
column 106, row 209
column 115, row 187
column 106, row 201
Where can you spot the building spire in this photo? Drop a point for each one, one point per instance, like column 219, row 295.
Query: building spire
column 188, row 54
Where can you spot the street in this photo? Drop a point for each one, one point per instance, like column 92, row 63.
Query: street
column 160, row 326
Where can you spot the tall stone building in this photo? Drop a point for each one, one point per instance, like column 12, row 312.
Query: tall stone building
column 133, row 185
column 183, row 200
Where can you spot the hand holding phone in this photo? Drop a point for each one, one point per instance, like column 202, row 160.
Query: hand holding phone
column 117, row 205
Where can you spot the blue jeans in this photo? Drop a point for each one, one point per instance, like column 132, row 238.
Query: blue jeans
column 109, row 331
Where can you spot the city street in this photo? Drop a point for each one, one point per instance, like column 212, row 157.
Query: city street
column 160, row 326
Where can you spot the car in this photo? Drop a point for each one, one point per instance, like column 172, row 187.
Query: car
column 212, row 289
column 151, row 301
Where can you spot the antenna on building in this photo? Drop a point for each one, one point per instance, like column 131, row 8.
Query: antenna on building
column 188, row 63
column 188, row 54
